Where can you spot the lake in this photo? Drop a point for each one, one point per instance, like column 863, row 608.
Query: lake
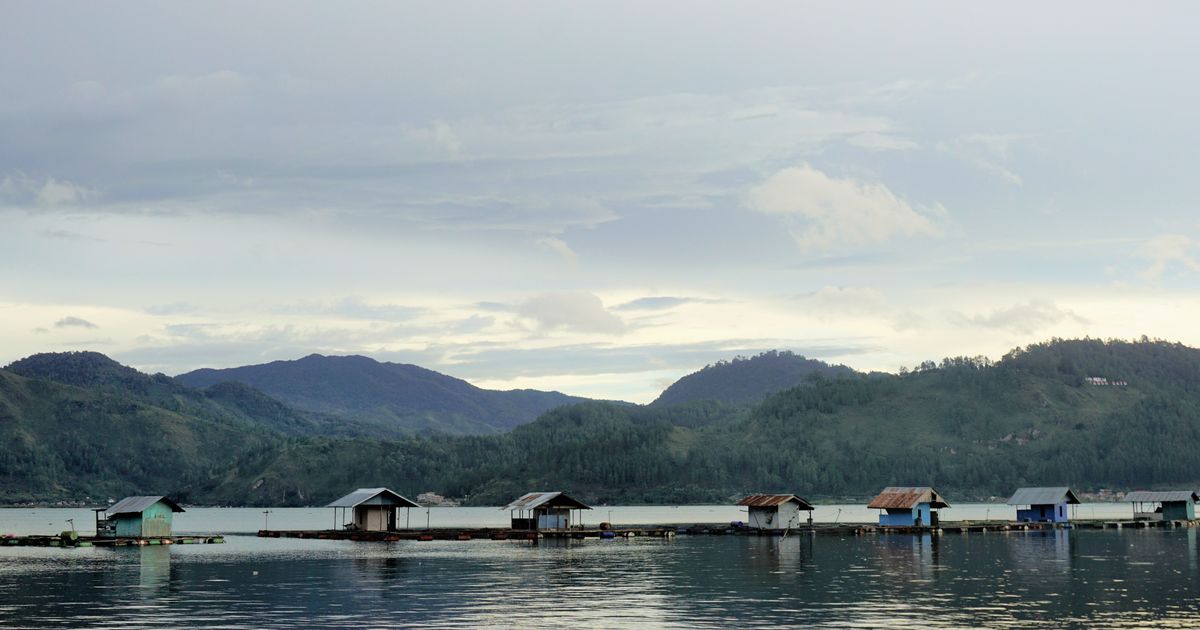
column 1085, row 578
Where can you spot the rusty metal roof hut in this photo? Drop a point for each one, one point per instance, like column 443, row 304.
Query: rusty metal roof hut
column 775, row 511
column 911, row 506
column 543, row 510
column 136, row 517
column 374, row 509
column 1174, row 505
column 1046, row 505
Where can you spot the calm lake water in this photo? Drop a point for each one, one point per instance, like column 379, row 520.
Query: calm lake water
column 1085, row 578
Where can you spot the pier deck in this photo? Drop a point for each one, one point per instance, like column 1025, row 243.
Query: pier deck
column 92, row 541
column 710, row 529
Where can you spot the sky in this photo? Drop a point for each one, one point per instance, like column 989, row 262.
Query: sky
column 594, row 197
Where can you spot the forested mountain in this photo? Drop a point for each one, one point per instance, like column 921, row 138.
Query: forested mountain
column 1085, row 413
column 65, row 441
column 969, row 426
column 397, row 397
column 746, row 381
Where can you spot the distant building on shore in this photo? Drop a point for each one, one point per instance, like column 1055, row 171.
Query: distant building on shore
column 436, row 500
column 1169, row 505
column 915, row 506
column 136, row 517
column 372, row 510
column 776, row 511
column 543, row 510
column 1044, row 505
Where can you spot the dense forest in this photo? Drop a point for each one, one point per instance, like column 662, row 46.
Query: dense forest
column 1087, row 413
column 747, row 380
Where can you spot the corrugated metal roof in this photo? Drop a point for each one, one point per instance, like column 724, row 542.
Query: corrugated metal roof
column 1143, row 496
column 136, row 505
column 773, row 500
column 364, row 495
column 898, row 497
column 1043, row 496
column 547, row 499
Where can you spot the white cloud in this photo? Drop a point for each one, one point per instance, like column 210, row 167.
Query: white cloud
column 991, row 152
column 577, row 311
column 560, row 247
column 830, row 302
column 882, row 142
column 20, row 188
column 826, row 212
column 1027, row 318
column 1167, row 251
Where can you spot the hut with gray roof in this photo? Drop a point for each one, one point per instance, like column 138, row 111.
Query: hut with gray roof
column 136, row 517
column 543, row 510
column 372, row 509
column 908, row 506
column 775, row 511
column 1044, row 505
column 1169, row 505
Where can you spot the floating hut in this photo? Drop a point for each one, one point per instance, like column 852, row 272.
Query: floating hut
column 1173, row 505
column 775, row 511
column 543, row 510
column 908, row 506
column 136, row 517
column 373, row 509
column 1044, row 505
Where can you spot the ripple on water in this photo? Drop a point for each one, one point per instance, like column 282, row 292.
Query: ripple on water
column 693, row 582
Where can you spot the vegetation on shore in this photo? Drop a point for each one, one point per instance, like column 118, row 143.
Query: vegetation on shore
column 972, row 427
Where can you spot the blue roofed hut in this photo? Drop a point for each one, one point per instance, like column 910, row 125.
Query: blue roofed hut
column 543, row 510
column 1169, row 505
column 1043, row 505
column 136, row 517
column 912, row 506
column 373, row 509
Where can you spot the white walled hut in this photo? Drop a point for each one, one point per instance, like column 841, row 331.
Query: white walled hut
column 372, row 509
column 544, row 510
column 776, row 511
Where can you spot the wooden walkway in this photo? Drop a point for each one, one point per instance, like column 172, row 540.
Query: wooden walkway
column 468, row 534
column 92, row 541
column 711, row 529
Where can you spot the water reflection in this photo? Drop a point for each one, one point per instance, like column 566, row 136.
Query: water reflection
column 1047, row 553
column 154, row 571
column 1083, row 578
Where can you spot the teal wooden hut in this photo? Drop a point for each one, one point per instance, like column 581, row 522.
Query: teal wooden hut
column 1170, row 505
column 137, row 517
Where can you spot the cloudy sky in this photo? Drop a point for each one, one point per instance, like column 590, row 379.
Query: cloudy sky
column 594, row 197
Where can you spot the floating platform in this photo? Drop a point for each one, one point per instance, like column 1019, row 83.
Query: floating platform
column 710, row 529
column 92, row 541
column 468, row 534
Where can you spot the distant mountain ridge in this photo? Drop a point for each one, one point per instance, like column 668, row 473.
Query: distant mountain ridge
column 233, row 402
column 745, row 381
column 401, row 397
column 1086, row 413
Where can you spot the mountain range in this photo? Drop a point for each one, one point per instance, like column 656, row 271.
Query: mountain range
column 1087, row 413
column 397, row 398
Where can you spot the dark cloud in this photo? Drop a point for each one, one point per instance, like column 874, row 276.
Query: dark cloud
column 74, row 322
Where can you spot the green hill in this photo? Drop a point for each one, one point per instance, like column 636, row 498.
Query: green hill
column 1087, row 413
column 745, row 381
column 63, row 441
column 969, row 426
